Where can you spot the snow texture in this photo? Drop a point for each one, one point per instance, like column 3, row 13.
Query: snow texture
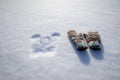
column 44, row 45
column 34, row 44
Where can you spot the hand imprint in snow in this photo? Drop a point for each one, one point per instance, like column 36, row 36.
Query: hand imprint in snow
column 44, row 44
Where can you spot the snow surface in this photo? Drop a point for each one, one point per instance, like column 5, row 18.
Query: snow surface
column 44, row 45
column 25, row 23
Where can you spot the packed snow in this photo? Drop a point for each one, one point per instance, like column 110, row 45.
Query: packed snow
column 34, row 44
column 44, row 45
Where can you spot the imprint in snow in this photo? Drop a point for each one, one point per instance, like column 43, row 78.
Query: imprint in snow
column 44, row 44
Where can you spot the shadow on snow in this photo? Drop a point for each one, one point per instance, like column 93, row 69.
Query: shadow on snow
column 98, row 54
column 82, row 55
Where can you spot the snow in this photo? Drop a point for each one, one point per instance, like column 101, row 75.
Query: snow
column 34, row 44
column 44, row 45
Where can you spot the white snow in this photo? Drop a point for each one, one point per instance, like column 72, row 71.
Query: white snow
column 34, row 44
column 44, row 45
